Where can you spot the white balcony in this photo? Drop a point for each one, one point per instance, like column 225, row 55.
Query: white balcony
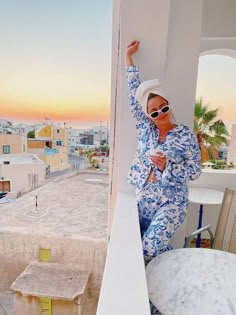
column 172, row 38
column 124, row 289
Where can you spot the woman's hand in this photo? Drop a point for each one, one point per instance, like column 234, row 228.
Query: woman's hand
column 159, row 160
column 130, row 50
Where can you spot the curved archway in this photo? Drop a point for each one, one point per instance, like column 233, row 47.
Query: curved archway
column 220, row 51
column 216, row 87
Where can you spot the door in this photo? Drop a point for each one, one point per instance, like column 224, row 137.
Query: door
column 5, row 186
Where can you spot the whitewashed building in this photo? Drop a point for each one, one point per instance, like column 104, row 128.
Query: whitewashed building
column 20, row 172
column 80, row 138
column 101, row 135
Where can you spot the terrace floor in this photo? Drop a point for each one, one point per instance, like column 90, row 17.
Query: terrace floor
column 68, row 205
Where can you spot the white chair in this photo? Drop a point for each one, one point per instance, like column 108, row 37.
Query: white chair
column 225, row 235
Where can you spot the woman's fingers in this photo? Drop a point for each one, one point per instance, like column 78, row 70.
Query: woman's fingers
column 131, row 49
column 134, row 42
column 159, row 161
column 158, row 157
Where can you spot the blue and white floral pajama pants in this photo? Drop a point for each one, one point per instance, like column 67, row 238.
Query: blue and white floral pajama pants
column 161, row 212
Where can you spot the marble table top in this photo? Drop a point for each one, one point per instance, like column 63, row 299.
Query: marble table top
column 205, row 196
column 193, row 281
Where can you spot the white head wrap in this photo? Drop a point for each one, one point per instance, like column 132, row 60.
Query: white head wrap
column 147, row 87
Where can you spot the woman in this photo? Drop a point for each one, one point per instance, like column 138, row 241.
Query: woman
column 160, row 178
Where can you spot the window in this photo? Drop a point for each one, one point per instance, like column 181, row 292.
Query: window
column 58, row 142
column 6, row 149
column 58, row 131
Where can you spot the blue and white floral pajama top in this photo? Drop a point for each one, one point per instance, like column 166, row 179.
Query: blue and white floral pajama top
column 162, row 205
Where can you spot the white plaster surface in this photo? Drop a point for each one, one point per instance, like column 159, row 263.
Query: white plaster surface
column 193, row 281
column 124, row 287
column 57, row 281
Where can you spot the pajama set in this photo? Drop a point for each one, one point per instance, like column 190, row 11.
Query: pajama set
column 162, row 205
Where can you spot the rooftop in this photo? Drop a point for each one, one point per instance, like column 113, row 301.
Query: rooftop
column 73, row 206
column 26, row 158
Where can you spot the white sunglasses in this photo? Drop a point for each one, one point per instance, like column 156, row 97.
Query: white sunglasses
column 165, row 109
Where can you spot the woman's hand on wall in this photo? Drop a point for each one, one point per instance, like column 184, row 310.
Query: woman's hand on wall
column 130, row 51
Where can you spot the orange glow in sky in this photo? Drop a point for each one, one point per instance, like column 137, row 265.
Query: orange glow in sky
column 216, row 85
column 59, row 68
column 36, row 94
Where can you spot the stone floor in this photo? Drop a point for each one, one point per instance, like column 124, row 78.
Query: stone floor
column 6, row 303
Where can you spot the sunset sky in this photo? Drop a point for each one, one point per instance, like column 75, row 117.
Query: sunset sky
column 55, row 59
column 216, row 85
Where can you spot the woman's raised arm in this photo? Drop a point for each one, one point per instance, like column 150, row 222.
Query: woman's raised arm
column 130, row 51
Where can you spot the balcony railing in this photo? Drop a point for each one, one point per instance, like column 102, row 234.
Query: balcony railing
column 124, row 288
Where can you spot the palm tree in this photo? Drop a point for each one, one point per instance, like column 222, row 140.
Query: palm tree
column 211, row 133
column 92, row 161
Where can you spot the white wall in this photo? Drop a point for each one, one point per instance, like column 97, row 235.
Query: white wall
column 182, row 57
column 219, row 27
column 219, row 18
column 18, row 175
column 232, row 146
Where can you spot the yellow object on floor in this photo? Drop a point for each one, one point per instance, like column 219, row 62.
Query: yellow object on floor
column 44, row 255
column 45, row 306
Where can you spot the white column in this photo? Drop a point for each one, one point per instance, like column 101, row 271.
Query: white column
column 232, row 151
column 140, row 21
column 182, row 57
column 169, row 32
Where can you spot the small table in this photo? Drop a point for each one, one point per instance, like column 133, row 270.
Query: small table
column 193, row 281
column 204, row 196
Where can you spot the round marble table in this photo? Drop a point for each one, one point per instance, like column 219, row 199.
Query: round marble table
column 204, row 196
column 193, row 281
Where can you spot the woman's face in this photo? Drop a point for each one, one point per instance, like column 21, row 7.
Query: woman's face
column 156, row 104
